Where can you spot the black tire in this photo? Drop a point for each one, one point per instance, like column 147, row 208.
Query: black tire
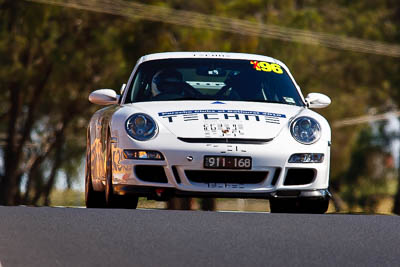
column 112, row 200
column 315, row 206
column 93, row 199
column 283, row 205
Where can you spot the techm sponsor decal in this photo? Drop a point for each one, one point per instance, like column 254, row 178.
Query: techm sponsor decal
column 212, row 114
column 181, row 112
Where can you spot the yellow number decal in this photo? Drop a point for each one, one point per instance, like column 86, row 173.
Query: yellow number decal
column 267, row 67
column 255, row 65
column 276, row 68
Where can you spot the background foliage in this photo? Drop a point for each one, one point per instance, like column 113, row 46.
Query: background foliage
column 53, row 57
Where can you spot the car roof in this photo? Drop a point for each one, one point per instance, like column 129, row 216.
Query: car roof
column 219, row 55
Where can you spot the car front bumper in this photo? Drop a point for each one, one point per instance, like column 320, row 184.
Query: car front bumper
column 182, row 159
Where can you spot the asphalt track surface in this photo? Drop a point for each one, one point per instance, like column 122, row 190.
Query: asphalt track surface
column 101, row 237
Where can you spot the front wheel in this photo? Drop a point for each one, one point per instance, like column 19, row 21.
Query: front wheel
column 294, row 205
column 93, row 199
column 112, row 200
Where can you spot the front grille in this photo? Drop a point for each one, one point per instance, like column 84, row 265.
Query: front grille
column 276, row 176
column 225, row 140
column 176, row 174
column 152, row 174
column 234, row 177
column 299, row 176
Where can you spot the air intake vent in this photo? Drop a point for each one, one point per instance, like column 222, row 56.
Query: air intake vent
column 152, row 174
column 299, row 176
column 225, row 140
column 176, row 174
column 276, row 176
column 247, row 177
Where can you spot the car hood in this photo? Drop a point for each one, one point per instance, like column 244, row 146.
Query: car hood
column 215, row 119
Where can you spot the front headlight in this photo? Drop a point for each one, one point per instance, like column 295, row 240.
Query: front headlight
column 141, row 127
column 305, row 130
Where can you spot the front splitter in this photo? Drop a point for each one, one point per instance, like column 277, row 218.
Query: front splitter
column 167, row 192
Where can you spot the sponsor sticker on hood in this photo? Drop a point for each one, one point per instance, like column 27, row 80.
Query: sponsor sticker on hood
column 217, row 114
column 222, row 123
column 201, row 119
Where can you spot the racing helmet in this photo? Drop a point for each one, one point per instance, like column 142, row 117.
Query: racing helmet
column 246, row 85
column 166, row 81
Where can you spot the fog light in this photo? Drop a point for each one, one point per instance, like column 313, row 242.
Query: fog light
column 306, row 158
column 142, row 154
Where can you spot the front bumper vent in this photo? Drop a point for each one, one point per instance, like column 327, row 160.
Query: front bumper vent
column 225, row 140
column 276, row 176
column 234, row 177
column 300, row 176
column 151, row 174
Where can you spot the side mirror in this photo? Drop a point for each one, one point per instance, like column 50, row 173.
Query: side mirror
column 104, row 97
column 317, row 100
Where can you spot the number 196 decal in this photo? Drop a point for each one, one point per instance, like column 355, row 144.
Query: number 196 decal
column 265, row 66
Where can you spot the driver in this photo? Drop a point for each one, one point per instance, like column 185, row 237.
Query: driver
column 167, row 82
column 243, row 86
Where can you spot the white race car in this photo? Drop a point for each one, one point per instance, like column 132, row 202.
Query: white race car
column 209, row 124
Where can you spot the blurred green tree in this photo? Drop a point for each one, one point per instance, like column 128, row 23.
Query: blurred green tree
column 365, row 182
column 54, row 57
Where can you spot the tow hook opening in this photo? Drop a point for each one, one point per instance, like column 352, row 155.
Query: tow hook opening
column 160, row 194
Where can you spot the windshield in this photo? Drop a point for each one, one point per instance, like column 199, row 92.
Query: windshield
column 212, row 79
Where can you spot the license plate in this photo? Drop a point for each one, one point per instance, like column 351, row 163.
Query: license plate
column 227, row 162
